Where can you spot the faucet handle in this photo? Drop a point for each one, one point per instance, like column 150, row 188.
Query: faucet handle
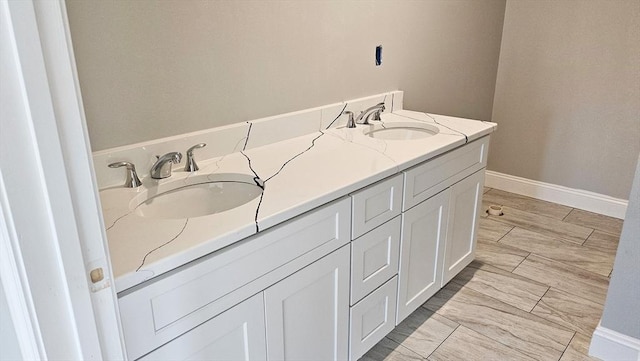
column 351, row 123
column 132, row 180
column 191, row 165
column 376, row 115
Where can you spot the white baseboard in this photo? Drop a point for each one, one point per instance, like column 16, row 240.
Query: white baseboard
column 576, row 198
column 607, row 344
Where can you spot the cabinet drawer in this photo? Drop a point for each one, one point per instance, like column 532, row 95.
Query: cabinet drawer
column 236, row 334
column 374, row 258
column 372, row 318
column 376, row 204
column 431, row 177
column 160, row 310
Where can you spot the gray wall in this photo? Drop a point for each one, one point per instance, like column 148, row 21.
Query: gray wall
column 150, row 69
column 567, row 95
column 621, row 310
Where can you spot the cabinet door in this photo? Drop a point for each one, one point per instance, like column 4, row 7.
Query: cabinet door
column 307, row 313
column 464, row 207
column 236, row 334
column 424, row 229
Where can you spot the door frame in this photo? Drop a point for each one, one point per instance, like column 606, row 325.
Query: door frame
column 52, row 227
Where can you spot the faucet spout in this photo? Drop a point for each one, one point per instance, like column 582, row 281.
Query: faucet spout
column 365, row 115
column 162, row 167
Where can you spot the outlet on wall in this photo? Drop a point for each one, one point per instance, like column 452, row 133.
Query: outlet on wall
column 378, row 55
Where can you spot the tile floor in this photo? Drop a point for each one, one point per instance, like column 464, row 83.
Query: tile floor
column 534, row 292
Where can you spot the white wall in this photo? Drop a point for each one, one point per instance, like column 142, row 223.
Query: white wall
column 151, row 69
column 567, row 97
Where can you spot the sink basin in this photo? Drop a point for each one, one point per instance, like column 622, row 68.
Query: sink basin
column 204, row 195
column 401, row 131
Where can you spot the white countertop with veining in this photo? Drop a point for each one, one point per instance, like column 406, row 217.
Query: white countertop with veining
column 299, row 174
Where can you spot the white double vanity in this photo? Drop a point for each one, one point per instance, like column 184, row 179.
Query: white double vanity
column 350, row 231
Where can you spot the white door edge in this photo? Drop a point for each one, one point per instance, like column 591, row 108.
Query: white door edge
column 52, row 134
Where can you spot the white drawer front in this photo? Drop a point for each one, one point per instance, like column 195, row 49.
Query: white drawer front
column 372, row 319
column 236, row 334
column 427, row 179
column 158, row 312
column 374, row 258
column 376, row 204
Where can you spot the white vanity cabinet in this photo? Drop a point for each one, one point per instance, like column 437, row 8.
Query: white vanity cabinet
column 326, row 285
column 437, row 231
column 438, row 241
column 172, row 307
column 442, row 198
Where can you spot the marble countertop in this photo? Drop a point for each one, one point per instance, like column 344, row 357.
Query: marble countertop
column 299, row 174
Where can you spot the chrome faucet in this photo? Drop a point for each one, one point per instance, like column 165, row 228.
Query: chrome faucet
column 375, row 110
column 162, row 167
column 371, row 113
column 351, row 123
column 132, row 180
column 191, row 165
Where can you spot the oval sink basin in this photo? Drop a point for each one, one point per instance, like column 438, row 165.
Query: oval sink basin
column 206, row 195
column 401, row 131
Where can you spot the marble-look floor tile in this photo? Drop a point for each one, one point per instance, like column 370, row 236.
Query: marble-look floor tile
column 603, row 240
column 387, row 350
column 570, row 311
column 570, row 279
column 490, row 230
column 423, row 331
column 504, row 286
column 595, row 221
column 529, row 334
column 468, row 345
column 527, row 204
column 541, row 224
column 485, row 189
column 578, row 349
column 499, row 255
column 590, row 259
